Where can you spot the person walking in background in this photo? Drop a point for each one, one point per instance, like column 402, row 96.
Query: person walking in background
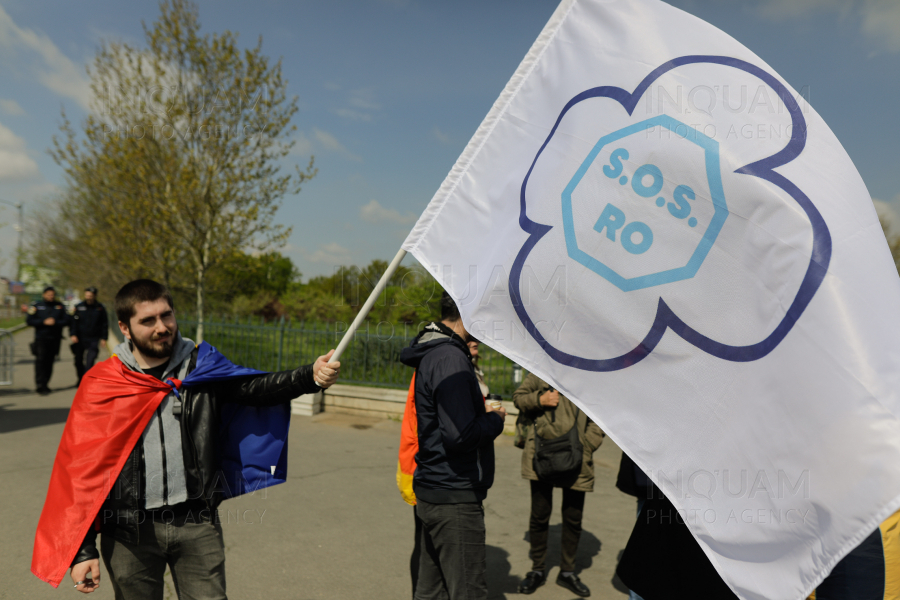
column 455, row 459
column 48, row 317
column 559, row 447
column 89, row 331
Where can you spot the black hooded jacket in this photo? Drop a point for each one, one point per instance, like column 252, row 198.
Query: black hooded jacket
column 455, row 462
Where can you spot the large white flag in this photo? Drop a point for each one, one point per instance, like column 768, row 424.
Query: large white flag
column 653, row 220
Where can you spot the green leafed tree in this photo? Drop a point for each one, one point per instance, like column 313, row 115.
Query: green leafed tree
column 893, row 241
column 411, row 295
column 180, row 165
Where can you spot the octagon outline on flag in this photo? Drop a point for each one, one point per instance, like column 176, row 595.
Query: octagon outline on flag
column 717, row 194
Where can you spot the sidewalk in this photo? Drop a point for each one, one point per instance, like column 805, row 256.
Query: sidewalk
column 336, row 530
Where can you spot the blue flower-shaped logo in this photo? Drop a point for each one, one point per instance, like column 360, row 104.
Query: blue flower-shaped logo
column 628, row 237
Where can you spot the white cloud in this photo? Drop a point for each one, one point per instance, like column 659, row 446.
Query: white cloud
column 15, row 164
column 360, row 105
column 880, row 19
column 331, row 144
column 303, row 146
column 11, row 107
column 375, row 213
column 354, row 115
column 41, row 191
column 320, row 141
column 331, row 254
column 778, row 9
column 328, row 141
column 889, row 212
column 56, row 71
column 363, row 98
column 441, row 136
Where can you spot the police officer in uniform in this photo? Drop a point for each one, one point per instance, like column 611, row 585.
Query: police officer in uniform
column 88, row 331
column 48, row 317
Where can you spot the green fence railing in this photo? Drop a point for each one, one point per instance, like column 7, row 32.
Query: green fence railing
column 373, row 357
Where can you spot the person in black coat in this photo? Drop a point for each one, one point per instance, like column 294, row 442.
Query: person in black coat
column 89, row 331
column 663, row 561
column 48, row 317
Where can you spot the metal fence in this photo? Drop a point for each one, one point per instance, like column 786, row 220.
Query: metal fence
column 7, row 358
column 373, row 357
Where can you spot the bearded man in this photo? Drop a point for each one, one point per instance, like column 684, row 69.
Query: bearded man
column 154, row 422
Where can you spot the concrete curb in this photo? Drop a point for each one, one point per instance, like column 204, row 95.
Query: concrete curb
column 368, row 401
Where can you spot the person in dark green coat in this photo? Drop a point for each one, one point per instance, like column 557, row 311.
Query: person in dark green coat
column 550, row 414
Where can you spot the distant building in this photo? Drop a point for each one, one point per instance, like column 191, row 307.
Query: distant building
column 8, row 286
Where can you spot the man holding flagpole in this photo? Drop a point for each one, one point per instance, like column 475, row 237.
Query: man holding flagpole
column 157, row 437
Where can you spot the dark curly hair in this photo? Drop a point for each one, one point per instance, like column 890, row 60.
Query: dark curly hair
column 449, row 310
column 137, row 291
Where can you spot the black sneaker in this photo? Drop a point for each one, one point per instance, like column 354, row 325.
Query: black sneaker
column 533, row 580
column 573, row 584
column 43, row 391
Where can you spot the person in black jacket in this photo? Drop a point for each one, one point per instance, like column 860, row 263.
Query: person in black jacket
column 634, row 482
column 455, row 461
column 162, row 507
column 89, row 331
column 48, row 317
column 663, row 561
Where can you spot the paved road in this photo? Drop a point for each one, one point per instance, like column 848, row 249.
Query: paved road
column 336, row 530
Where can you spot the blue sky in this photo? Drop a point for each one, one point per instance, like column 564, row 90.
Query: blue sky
column 391, row 90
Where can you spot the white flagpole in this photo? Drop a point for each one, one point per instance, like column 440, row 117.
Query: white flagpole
column 364, row 311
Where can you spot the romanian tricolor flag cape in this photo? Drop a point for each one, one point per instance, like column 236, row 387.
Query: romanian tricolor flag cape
column 409, row 446
column 108, row 416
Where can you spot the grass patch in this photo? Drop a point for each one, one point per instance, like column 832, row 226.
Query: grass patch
column 8, row 323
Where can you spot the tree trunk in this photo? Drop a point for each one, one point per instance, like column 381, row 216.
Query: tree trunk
column 201, row 278
column 202, row 265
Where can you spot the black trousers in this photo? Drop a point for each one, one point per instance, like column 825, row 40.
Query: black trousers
column 452, row 561
column 416, row 554
column 539, row 526
column 46, row 350
column 663, row 561
column 85, row 351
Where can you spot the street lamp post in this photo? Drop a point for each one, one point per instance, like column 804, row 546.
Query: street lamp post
column 20, row 227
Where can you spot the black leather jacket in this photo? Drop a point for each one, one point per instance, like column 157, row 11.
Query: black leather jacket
column 122, row 511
